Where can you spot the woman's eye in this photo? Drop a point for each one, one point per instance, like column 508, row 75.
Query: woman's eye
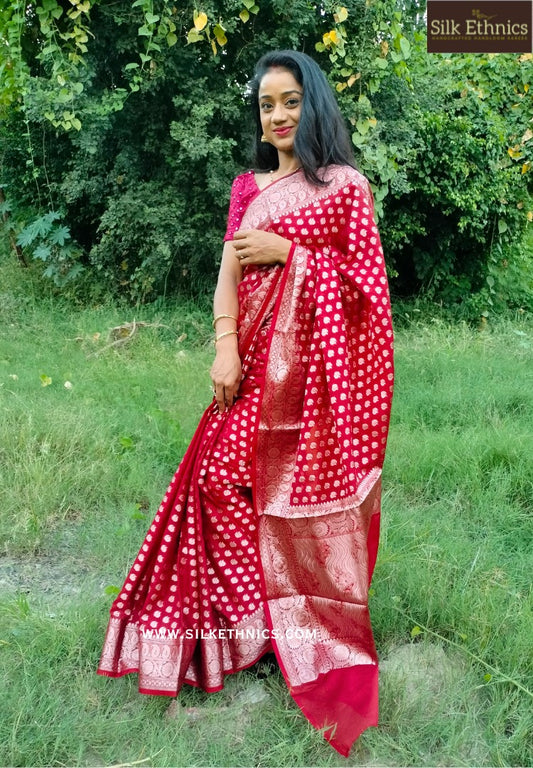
column 266, row 106
column 293, row 102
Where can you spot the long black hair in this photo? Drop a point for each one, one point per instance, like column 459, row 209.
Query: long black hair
column 321, row 137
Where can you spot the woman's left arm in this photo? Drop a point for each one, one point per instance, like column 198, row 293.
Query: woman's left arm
column 255, row 246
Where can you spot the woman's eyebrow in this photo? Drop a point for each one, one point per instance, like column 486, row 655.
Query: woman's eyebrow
column 285, row 93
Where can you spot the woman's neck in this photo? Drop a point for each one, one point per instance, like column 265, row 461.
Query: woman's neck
column 287, row 164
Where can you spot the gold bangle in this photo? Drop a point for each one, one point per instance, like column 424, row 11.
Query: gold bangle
column 226, row 333
column 219, row 317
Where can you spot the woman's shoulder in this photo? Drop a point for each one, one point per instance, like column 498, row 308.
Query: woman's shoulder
column 243, row 180
column 344, row 175
column 243, row 190
column 243, row 186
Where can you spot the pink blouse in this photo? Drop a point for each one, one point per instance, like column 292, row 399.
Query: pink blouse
column 243, row 190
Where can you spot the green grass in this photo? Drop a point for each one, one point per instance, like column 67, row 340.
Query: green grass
column 82, row 470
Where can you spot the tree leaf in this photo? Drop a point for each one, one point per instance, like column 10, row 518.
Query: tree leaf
column 199, row 20
column 340, row 15
column 61, row 234
column 416, row 631
column 405, row 46
column 220, row 34
column 38, row 228
column 363, row 126
column 45, row 380
column 42, row 252
column 194, row 36
column 502, row 226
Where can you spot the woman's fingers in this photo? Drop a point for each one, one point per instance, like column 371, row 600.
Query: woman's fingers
column 226, row 374
column 243, row 242
column 224, row 396
column 240, row 250
column 256, row 246
column 219, row 396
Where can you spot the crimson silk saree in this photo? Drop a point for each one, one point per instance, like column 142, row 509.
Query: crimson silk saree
column 267, row 536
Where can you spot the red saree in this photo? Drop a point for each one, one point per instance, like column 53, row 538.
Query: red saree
column 267, row 536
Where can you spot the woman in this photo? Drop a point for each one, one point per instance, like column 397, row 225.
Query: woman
column 267, row 536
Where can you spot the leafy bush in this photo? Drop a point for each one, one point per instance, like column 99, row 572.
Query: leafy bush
column 144, row 238
column 454, row 151
column 50, row 241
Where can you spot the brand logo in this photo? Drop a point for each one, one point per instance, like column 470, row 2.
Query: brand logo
column 486, row 26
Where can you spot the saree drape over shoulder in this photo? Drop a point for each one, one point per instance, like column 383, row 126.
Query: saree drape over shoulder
column 267, row 536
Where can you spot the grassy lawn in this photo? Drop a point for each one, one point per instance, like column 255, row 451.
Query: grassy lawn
column 91, row 429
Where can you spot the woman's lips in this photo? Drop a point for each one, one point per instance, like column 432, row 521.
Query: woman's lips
column 282, row 131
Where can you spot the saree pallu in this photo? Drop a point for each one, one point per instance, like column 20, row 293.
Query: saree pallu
column 267, row 536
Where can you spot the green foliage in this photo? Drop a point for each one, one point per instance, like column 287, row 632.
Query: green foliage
column 447, row 144
column 143, row 233
column 132, row 119
column 469, row 196
column 48, row 240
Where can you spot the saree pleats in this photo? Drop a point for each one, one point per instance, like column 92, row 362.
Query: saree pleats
column 192, row 607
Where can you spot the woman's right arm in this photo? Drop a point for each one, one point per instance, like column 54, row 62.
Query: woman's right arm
column 226, row 370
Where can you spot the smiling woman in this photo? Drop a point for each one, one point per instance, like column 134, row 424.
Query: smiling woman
column 267, row 536
column 280, row 105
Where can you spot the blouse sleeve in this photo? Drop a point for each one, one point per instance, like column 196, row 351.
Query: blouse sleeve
column 243, row 190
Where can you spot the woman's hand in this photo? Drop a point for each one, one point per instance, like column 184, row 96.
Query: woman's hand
column 226, row 373
column 254, row 246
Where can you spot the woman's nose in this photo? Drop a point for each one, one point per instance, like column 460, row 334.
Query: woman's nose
column 278, row 113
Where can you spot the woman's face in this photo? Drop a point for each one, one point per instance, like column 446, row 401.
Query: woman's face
column 280, row 106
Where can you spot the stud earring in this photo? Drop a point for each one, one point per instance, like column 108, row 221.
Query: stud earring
column 264, row 139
